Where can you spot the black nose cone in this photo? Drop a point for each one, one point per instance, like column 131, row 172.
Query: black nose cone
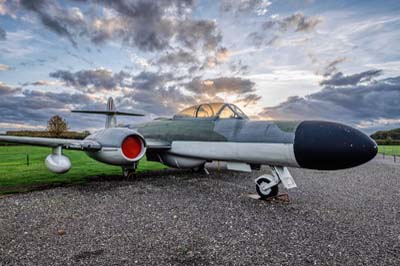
column 329, row 146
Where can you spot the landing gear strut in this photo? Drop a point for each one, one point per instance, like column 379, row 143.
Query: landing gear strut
column 129, row 172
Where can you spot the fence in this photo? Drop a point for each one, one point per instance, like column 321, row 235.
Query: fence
column 395, row 157
column 20, row 159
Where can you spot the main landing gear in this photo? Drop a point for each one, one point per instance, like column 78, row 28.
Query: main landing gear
column 267, row 185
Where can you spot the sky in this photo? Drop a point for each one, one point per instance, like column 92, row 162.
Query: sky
column 277, row 60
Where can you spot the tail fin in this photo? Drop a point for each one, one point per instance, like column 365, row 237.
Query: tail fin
column 111, row 113
column 111, row 120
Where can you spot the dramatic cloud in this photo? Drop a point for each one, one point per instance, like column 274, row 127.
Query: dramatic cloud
column 249, row 99
column 8, row 7
column 339, row 79
column 32, row 107
column 298, row 22
column 148, row 25
column 213, row 86
column 272, row 30
column 178, row 58
column 6, row 90
column 54, row 17
column 159, row 93
column 3, row 34
column 350, row 100
column 91, row 80
column 42, row 83
column 245, row 6
column 331, row 68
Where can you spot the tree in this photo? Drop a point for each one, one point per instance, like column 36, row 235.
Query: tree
column 56, row 126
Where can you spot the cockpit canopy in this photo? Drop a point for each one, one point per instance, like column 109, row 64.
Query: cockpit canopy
column 212, row 110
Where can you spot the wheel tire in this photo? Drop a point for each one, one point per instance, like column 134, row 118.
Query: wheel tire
column 272, row 192
column 199, row 169
column 128, row 173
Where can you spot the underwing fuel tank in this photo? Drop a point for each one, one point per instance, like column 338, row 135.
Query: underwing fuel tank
column 325, row 145
column 57, row 162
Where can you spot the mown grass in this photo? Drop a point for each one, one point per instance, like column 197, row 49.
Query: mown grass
column 390, row 149
column 17, row 176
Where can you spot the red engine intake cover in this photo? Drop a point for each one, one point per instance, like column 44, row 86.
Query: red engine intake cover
column 131, row 147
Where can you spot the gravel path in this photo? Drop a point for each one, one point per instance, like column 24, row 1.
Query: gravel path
column 349, row 217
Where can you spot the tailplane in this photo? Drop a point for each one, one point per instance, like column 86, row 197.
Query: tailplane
column 111, row 113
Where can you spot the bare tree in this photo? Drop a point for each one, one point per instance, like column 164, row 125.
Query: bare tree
column 56, row 126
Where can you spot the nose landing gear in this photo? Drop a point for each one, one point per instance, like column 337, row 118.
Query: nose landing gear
column 267, row 185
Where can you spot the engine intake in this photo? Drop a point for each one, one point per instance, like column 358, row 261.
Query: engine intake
column 132, row 147
column 120, row 146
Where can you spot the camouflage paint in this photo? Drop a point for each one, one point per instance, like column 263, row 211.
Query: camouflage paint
column 225, row 130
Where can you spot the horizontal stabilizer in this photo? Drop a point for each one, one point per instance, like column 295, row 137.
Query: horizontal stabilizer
column 107, row 112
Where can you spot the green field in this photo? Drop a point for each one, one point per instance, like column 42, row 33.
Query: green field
column 390, row 149
column 17, row 176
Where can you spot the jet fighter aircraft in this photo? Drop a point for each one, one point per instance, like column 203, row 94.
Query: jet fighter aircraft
column 217, row 132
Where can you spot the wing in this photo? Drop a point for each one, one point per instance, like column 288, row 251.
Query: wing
column 77, row 144
column 50, row 142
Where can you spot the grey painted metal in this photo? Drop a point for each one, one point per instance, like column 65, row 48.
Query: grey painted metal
column 244, row 152
column 89, row 145
column 111, row 140
column 284, row 176
column 182, row 162
column 57, row 162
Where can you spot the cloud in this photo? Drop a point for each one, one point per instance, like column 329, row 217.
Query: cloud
column 5, row 67
column 42, row 83
column 32, row 107
column 224, row 84
column 272, row 30
column 338, row 79
column 298, row 22
column 91, row 80
column 260, row 7
column 148, row 25
column 3, row 34
column 8, row 8
column 178, row 58
column 59, row 20
column 6, row 90
column 352, row 101
column 158, row 93
column 191, row 33
column 326, row 68
column 249, row 99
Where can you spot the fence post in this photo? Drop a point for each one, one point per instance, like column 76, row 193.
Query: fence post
column 27, row 159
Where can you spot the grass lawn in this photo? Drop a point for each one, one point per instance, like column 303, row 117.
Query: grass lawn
column 390, row 149
column 16, row 176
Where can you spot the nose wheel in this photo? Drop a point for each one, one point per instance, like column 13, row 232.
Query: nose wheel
column 267, row 186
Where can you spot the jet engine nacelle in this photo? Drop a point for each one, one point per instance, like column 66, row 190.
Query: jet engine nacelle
column 120, row 146
column 58, row 163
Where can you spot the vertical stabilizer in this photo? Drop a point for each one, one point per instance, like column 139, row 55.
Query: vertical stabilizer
column 111, row 117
